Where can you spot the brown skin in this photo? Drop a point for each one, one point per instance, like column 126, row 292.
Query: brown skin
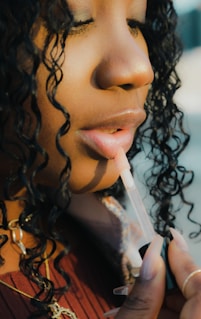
column 146, row 299
column 94, row 91
column 111, row 85
column 113, row 80
column 114, row 55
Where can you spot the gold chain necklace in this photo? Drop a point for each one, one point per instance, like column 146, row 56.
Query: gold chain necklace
column 56, row 310
column 54, row 307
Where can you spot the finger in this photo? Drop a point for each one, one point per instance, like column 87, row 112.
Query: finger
column 191, row 309
column 146, row 297
column 182, row 266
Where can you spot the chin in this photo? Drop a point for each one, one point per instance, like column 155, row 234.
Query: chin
column 92, row 176
column 91, row 187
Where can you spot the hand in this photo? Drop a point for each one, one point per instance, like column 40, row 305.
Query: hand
column 182, row 265
column 147, row 299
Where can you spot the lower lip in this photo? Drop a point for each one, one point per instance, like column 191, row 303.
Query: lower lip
column 106, row 144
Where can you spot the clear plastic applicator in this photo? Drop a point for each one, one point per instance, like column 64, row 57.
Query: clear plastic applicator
column 139, row 210
column 141, row 215
column 146, row 228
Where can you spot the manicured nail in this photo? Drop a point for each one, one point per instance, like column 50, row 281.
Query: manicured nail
column 123, row 290
column 179, row 239
column 111, row 312
column 150, row 261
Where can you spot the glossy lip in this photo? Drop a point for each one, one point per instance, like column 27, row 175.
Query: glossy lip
column 115, row 131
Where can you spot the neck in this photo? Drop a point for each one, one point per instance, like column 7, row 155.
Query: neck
column 14, row 209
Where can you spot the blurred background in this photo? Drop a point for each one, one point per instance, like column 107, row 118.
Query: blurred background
column 188, row 99
column 189, row 22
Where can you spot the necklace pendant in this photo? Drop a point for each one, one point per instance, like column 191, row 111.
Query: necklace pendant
column 57, row 311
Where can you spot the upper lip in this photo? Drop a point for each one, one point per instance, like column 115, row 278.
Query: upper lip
column 126, row 119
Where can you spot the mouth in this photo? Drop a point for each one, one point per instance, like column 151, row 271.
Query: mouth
column 110, row 131
column 105, row 143
column 107, row 137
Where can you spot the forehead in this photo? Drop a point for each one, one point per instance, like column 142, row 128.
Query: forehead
column 77, row 4
column 86, row 4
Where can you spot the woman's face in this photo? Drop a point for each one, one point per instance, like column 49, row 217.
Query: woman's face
column 107, row 74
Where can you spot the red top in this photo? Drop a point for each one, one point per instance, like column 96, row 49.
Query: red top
column 89, row 296
column 92, row 276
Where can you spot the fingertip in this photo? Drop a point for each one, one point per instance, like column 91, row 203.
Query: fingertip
column 179, row 240
column 181, row 261
column 152, row 259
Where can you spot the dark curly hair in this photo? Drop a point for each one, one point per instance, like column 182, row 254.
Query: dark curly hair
column 163, row 130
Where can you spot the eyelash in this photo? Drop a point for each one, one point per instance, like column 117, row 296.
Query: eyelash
column 80, row 26
column 136, row 26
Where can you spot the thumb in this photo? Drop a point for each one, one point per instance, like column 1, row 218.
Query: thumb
column 146, row 297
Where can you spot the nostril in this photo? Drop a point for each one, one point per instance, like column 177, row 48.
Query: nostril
column 127, row 86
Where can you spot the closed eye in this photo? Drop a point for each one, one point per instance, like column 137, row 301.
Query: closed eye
column 80, row 26
column 135, row 26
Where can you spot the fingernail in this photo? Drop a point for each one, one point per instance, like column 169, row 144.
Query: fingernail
column 111, row 312
column 179, row 239
column 123, row 290
column 150, row 261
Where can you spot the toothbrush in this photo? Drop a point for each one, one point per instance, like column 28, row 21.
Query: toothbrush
column 123, row 167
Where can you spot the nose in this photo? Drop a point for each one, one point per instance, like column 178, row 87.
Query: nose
column 125, row 63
